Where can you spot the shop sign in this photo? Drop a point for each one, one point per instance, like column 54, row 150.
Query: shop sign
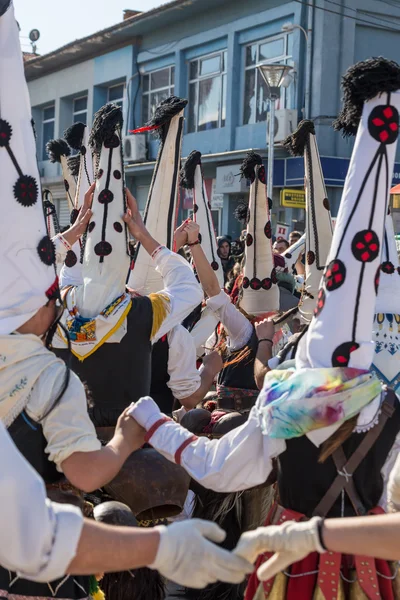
column 293, row 198
column 229, row 180
column 282, row 231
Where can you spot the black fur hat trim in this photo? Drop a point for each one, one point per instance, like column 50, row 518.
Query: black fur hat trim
column 188, row 170
column 106, row 121
column 295, row 143
column 56, row 149
column 363, row 81
column 248, row 165
column 74, row 135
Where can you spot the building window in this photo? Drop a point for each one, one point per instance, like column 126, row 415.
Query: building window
column 48, row 118
column 269, row 51
column 116, row 94
column 157, row 86
column 79, row 110
column 207, row 92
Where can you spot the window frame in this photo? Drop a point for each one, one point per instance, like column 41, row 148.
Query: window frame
column 223, row 73
column 170, row 87
column 76, row 113
column 117, row 100
column 45, row 122
column 284, row 58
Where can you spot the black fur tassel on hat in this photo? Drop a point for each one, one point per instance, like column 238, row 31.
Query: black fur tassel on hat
column 249, row 164
column 241, row 211
column 106, row 121
column 363, row 81
column 165, row 111
column 73, row 163
column 295, row 143
column 56, row 149
column 74, row 135
column 188, row 170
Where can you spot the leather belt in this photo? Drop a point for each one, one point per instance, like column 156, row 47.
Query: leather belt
column 236, row 403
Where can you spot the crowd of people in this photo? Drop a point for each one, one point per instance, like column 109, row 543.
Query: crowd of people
column 183, row 416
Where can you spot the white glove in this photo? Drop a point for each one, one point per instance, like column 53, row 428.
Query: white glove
column 145, row 412
column 186, row 557
column 291, row 542
column 394, row 486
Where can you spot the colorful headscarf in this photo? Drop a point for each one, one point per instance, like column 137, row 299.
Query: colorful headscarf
column 294, row 402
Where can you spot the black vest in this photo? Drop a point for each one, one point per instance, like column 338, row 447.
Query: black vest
column 118, row 374
column 241, row 375
column 159, row 390
column 303, row 481
column 28, row 436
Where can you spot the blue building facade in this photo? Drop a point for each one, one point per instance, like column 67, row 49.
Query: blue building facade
column 208, row 51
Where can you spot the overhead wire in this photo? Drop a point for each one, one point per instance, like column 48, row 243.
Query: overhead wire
column 356, row 10
column 358, row 19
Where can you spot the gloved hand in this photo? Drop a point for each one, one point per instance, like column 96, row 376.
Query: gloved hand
column 394, row 486
column 145, row 412
column 187, row 557
column 291, row 542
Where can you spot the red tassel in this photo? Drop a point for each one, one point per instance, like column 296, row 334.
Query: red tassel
column 146, row 128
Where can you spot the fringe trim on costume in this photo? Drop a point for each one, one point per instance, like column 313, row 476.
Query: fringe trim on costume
column 296, row 143
column 74, row 135
column 160, row 304
column 56, row 149
column 188, row 170
column 361, row 82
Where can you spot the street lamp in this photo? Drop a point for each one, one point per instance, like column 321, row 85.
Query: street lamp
column 288, row 28
column 274, row 76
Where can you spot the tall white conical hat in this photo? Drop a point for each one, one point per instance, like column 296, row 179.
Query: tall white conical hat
column 340, row 333
column 77, row 136
column 50, row 212
column 162, row 203
column 319, row 230
column 105, row 258
column 58, row 152
column 27, row 266
column 191, row 178
column 386, row 330
column 260, row 290
column 80, row 168
column 293, row 253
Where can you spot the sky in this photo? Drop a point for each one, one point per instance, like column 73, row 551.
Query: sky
column 62, row 22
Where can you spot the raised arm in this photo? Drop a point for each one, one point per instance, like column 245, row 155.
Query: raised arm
column 239, row 460
column 64, row 242
column 181, row 293
column 238, row 328
column 205, row 273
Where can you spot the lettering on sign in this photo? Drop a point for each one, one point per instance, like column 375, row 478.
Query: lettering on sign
column 293, row 198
